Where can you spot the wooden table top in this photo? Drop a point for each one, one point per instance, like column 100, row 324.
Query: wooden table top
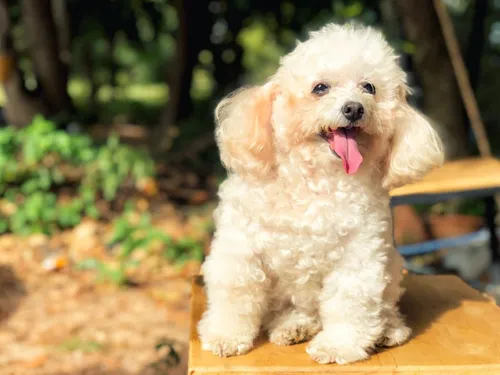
column 461, row 175
column 456, row 331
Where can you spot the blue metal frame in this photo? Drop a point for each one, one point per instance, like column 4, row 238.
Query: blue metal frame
column 434, row 245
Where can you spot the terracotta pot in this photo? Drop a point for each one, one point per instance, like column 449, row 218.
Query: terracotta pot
column 452, row 225
column 409, row 227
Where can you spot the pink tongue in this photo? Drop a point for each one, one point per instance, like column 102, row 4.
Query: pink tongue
column 344, row 144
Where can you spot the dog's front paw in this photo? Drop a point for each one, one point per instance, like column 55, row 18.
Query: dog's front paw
column 395, row 336
column 227, row 347
column 224, row 338
column 325, row 348
column 289, row 334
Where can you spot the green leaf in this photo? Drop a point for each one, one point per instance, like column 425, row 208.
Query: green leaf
column 145, row 221
column 132, row 244
column 89, row 264
column 4, row 225
column 115, row 275
column 45, row 180
column 76, row 344
column 30, row 186
column 113, row 141
column 110, row 187
column 171, row 253
column 49, row 214
column 92, row 212
column 132, row 263
column 161, row 236
column 353, row 10
column 409, row 48
column 121, row 230
column 40, row 125
column 57, row 176
column 197, row 253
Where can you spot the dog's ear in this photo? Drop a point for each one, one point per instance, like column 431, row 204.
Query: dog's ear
column 415, row 147
column 244, row 131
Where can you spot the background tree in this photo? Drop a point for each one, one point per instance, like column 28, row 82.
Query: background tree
column 193, row 35
column 22, row 104
column 164, row 64
column 43, row 42
column 441, row 100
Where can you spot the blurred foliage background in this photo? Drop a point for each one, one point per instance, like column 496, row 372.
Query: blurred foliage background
column 104, row 97
column 165, row 63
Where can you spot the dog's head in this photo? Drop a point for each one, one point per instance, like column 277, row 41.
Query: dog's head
column 339, row 97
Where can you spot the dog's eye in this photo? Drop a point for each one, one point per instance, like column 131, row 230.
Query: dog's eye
column 368, row 88
column 320, row 89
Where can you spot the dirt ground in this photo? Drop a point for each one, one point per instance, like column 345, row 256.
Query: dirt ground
column 60, row 320
column 56, row 322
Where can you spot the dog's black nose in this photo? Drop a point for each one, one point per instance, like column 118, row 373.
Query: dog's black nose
column 353, row 111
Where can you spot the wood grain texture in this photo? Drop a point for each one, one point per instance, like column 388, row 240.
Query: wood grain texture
column 456, row 331
column 461, row 175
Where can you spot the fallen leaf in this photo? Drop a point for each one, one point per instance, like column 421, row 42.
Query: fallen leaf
column 199, row 196
column 142, row 204
column 55, row 262
column 148, row 186
column 36, row 362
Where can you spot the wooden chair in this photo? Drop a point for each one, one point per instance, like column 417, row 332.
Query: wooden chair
column 476, row 177
column 456, row 330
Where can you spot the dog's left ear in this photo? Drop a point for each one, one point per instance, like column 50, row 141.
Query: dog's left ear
column 415, row 147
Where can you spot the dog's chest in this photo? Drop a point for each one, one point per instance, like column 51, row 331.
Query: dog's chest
column 303, row 228
column 308, row 226
column 322, row 210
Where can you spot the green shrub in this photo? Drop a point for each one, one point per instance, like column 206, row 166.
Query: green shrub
column 128, row 238
column 35, row 162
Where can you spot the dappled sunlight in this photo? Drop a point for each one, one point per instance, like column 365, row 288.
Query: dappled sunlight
column 110, row 170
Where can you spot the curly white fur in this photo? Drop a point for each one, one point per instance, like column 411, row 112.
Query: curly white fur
column 302, row 248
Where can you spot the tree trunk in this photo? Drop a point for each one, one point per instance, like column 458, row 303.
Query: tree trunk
column 475, row 48
column 477, row 40
column 62, row 24
column 192, row 37
column 21, row 105
column 442, row 100
column 50, row 71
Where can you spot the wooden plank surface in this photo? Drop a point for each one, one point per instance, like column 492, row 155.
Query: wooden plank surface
column 456, row 331
column 461, row 175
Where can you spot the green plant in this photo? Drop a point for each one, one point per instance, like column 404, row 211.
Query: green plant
column 129, row 237
column 184, row 249
column 35, row 162
column 76, row 344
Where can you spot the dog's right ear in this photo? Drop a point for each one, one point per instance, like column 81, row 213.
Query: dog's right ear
column 244, row 131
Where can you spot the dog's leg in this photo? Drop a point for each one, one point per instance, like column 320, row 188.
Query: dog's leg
column 352, row 304
column 237, row 296
column 396, row 331
column 295, row 315
column 292, row 326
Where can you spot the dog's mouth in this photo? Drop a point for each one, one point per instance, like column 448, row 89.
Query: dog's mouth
column 343, row 144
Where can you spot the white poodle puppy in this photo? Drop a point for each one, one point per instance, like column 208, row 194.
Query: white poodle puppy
column 303, row 244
